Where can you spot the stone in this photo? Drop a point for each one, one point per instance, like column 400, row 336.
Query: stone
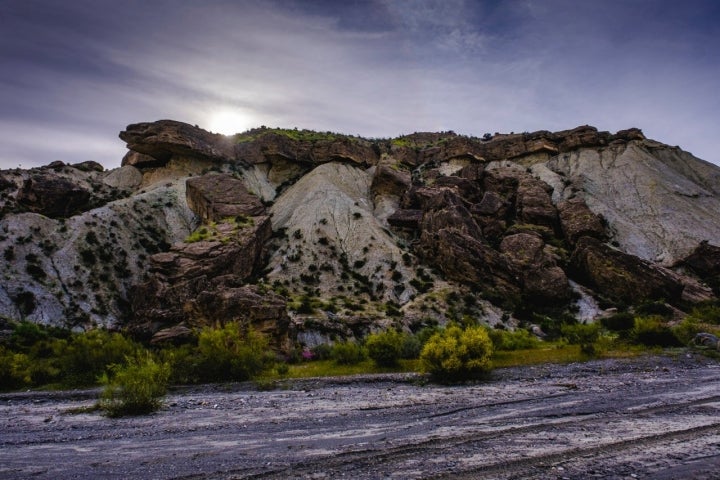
column 168, row 138
column 623, row 277
column 406, row 218
column 217, row 196
column 53, row 196
column 577, row 221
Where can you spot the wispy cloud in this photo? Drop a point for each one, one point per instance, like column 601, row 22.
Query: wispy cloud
column 378, row 68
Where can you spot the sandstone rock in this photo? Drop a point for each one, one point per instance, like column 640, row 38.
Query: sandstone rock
column 53, row 196
column 704, row 260
column 623, row 277
column 389, row 181
column 88, row 166
column 140, row 160
column 577, row 221
column 167, row 138
column 217, row 196
column 178, row 334
column 534, row 204
column 404, row 218
column 124, row 178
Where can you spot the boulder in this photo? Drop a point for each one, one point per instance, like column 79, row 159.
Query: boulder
column 389, row 181
column 406, row 218
column 577, row 221
column 534, row 204
column 217, row 196
column 53, row 196
column 165, row 139
column 623, row 277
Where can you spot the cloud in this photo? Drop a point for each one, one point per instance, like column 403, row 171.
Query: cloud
column 378, row 68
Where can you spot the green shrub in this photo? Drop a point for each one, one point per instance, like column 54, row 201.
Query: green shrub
column 385, row 348
column 652, row 331
column 707, row 313
column 135, row 388
column 519, row 339
column 87, row 356
column 455, row 354
column 229, row 354
column 619, row 322
column 347, row 353
column 581, row 334
column 654, row 308
column 411, row 347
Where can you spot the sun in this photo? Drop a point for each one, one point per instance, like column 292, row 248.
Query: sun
column 229, row 122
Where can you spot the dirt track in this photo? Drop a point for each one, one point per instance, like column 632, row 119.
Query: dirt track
column 655, row 417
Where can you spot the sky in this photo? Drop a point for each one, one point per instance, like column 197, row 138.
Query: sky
column 74, row 73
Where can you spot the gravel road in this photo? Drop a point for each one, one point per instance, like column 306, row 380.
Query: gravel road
column 651, row 417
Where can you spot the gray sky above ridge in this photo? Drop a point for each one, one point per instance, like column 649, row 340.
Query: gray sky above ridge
column 73, row 74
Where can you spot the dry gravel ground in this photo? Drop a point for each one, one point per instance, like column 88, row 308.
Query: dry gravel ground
column 651, row 417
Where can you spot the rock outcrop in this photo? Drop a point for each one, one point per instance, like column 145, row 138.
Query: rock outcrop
column 309, row 236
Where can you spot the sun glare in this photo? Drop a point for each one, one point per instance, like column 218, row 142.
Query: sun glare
column 229, row 122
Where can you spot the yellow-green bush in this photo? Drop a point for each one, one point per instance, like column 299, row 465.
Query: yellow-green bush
column 518, row 340
column 347, row 353
column 231, row 352
column 457, row 354
column 653, row 331
column 135, row 388
column 385, row 348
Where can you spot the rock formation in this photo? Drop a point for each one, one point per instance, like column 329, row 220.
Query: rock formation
column 312, row 235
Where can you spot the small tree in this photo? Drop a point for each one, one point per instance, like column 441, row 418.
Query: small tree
column 454, row 354
column 229, row 353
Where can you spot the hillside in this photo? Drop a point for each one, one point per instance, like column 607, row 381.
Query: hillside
column 312, row 236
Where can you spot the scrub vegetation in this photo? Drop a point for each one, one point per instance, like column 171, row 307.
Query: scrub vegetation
column 135, row 376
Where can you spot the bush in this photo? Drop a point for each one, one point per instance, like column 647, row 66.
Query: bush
column 385, row 348
column 411, row 347
column 581, row 334
column 87, row 356
column 135, row 388
column 229, row 354
column 652, row 331
column 620, row 322
column 517, row 340
column 455, row 354
column 347, row 353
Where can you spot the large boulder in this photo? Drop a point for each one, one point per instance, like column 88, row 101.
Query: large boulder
column 577, row 221
column 165, row 139
column 622, row 277
column 53, row 196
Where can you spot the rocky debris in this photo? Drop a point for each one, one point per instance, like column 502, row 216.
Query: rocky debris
column 217, row 196
column 165, row 139
column 622, row 277
column 706, row 340
column 53, row 196
column 704, row 261
column 577, row 221
column 178, row 334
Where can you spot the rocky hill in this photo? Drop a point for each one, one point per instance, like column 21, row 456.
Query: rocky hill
column 311, row 236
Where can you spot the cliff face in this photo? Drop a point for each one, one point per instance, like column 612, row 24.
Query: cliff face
column 310, row 235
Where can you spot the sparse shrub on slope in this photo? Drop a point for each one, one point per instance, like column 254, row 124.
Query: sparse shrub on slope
column 619, row 322
column 454, row 354
column 385, row 348
column 135, row 388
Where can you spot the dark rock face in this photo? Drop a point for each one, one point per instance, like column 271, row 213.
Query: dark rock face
column 623, row 277
column 389, row 181
column 578, row 221
column 200, row 283
column 164, row 139
column 53, row 196
column 705, row 262
column 217, row 196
